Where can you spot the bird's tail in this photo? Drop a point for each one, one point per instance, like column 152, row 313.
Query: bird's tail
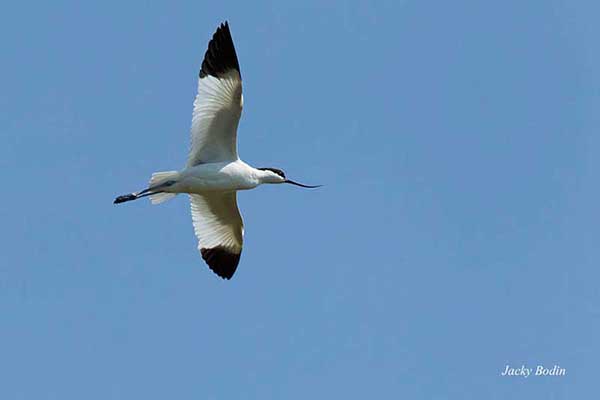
column 162, row 179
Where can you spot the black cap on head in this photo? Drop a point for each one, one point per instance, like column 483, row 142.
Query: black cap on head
column 275, row 170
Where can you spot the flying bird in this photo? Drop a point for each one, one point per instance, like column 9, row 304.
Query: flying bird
column 214, row 172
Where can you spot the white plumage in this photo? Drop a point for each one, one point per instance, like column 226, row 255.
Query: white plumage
column 217, row 108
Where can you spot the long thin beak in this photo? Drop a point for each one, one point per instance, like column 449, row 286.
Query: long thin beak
column 301, row 185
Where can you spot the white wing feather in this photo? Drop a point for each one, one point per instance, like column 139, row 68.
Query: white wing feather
column 217, row 111
column 217, row 220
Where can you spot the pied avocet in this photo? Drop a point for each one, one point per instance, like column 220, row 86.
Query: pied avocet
column 214, row 173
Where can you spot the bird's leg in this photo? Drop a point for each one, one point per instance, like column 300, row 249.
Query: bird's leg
column 146, row 192
column 135, row 196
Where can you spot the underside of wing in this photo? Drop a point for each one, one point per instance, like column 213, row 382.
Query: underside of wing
column 218, row 105
column 219, row 228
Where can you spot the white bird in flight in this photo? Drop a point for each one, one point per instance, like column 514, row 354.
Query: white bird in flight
column 214, row 172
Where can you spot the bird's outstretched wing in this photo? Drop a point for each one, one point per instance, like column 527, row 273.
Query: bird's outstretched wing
column 220, row 230
column 218, row 105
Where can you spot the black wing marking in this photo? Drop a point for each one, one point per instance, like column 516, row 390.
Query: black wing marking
column 221, row 261
column 220, row 57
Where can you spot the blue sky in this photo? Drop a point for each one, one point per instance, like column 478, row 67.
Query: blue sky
column 458, row 142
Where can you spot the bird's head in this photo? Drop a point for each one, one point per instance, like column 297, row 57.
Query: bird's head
column 274, row 175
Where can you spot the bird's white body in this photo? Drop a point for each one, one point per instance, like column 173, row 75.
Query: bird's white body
column 221, row 176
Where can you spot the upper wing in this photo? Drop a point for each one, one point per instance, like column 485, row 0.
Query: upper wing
column 218, row 105
column 220, row 230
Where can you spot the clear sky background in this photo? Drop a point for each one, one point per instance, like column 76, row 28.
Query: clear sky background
column 457, row 231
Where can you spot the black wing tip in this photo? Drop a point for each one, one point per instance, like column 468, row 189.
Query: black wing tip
column 220, row 55
column 221, row 260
